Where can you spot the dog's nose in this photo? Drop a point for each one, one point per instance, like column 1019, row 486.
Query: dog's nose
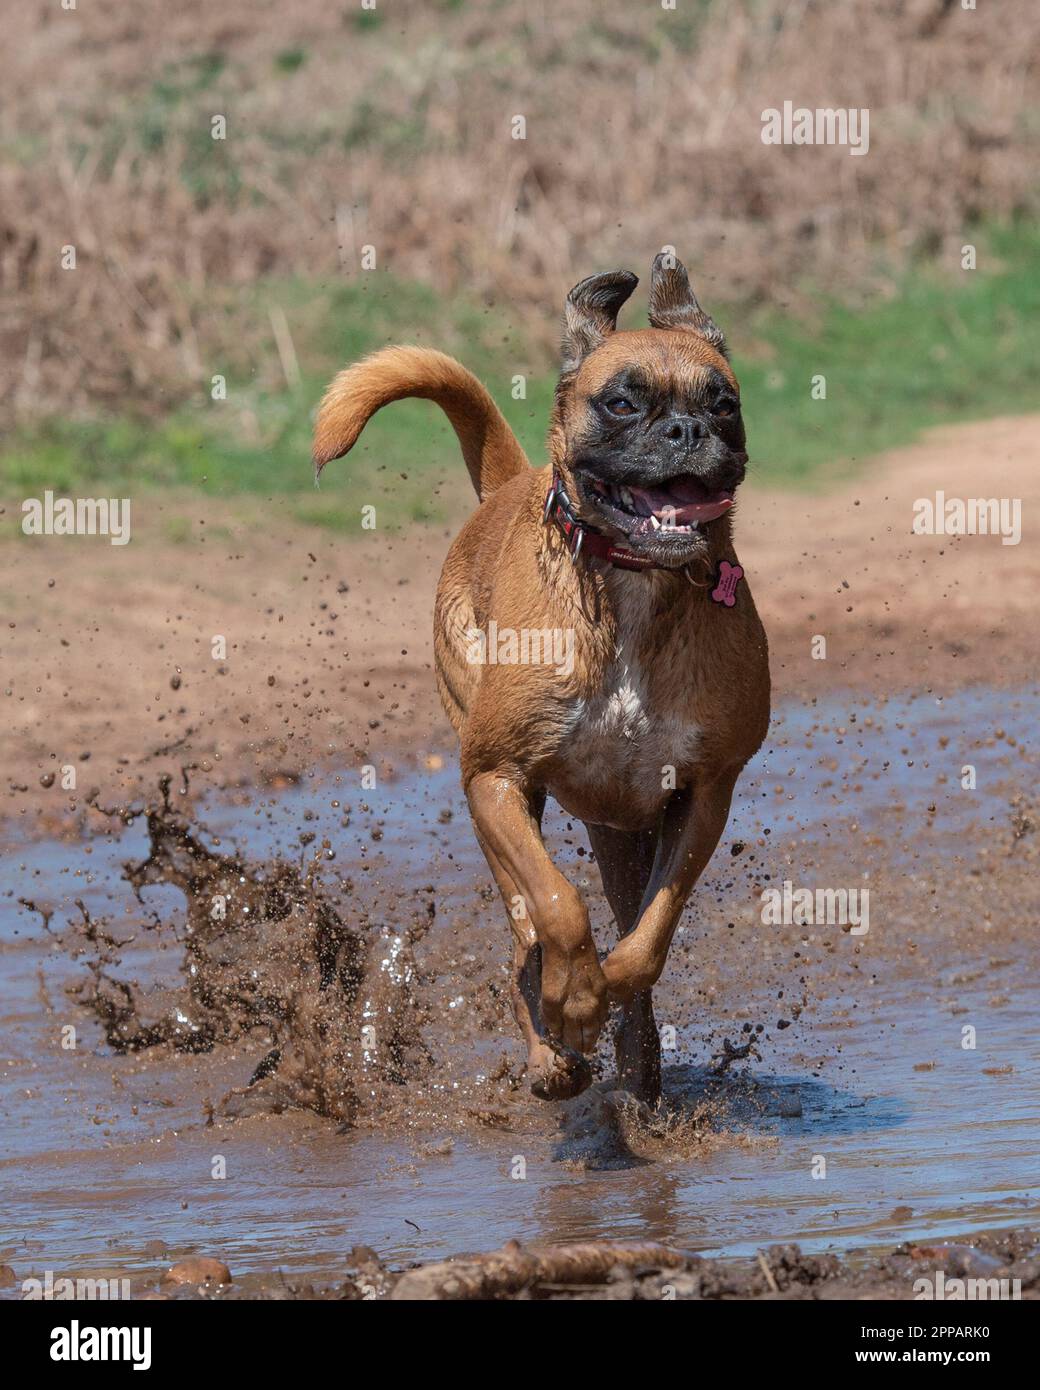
column 684, row 431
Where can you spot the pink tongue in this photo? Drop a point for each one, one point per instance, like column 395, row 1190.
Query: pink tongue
column 684, row 500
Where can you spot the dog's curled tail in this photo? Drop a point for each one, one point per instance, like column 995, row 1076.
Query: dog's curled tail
column 490, row 448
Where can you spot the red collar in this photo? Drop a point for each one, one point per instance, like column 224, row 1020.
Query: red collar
column 582, row 539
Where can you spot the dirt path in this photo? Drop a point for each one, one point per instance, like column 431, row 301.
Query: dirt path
column 108, row 653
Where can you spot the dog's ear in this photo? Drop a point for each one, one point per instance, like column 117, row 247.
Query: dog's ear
column 591, row 311
column 673, row 303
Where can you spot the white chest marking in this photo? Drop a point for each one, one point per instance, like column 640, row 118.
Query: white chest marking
column 620, row 727
column 621, row 750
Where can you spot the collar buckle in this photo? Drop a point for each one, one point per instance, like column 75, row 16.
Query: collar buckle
column 558, row 508
column 580, row 538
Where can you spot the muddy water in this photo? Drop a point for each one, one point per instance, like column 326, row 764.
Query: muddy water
column 109, row 1161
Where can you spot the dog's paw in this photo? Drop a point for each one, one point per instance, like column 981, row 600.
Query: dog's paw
column 561, row 1074
column 574, row 997
column 630, row 969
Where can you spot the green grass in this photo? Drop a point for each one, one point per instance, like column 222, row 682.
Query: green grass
column 945, row 347
column 942, row 347
column 258, row 439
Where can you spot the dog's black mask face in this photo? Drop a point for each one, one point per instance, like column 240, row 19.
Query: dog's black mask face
column 659, row 458
column 649, row 437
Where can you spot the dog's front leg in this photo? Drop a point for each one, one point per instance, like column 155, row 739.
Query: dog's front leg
column 555, row 1072
column 573, row 991
column 693, row 821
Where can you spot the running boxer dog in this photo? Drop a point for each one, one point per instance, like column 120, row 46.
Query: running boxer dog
column 619, row 553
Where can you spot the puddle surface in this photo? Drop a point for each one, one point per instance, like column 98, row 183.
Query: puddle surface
column 107, row 1160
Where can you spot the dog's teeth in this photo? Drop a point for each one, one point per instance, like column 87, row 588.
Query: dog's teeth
column 626, row 498
column 654, row 522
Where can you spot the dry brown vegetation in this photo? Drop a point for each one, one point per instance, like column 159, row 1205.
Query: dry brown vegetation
column 392, row 128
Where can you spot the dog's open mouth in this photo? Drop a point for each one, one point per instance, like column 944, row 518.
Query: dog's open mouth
column 679, row 507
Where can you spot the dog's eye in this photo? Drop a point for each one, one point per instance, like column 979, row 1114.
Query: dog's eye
column 617, row 405
column 726, row 405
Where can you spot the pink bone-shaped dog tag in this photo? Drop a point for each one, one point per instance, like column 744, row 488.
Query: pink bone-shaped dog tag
column 729, row 577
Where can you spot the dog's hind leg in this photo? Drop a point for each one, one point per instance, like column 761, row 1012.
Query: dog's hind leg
column 625, row 860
